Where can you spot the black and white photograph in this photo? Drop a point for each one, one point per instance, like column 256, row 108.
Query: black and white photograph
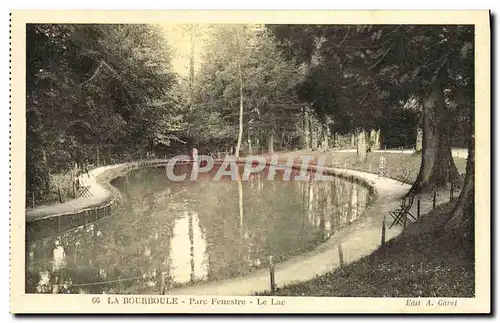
column 252, row 165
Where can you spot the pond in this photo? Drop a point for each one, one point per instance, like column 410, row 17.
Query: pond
column 180, row 233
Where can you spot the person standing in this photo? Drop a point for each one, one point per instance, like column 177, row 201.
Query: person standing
column 381, row 166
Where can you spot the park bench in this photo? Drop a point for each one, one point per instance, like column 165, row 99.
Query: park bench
column 403, row 214
column 83, row 191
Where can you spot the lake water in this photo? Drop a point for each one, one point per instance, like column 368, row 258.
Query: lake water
column 190, row 232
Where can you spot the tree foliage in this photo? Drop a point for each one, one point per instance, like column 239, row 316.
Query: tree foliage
column 268, row 86
column 96, row 90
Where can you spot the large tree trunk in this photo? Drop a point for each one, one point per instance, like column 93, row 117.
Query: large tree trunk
column 361, row 145
column 305, row 127
column 374, row 139
column 437, row 167
column 270, row 143
column 249, row 139
column 418, row 143
column 463, row 213
column 314, row 134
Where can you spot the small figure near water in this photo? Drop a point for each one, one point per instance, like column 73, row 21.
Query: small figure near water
column 381, row 166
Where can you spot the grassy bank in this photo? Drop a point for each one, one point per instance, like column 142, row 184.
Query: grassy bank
column 424, row 261
column 396, row 164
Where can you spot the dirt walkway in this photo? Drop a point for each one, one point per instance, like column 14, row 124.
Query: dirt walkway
column 98, row 196
column 358, row 240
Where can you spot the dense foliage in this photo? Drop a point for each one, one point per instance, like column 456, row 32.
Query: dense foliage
column 98, row 94
column 95, row 94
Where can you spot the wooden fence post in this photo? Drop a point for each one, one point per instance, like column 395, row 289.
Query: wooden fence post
column 418, row 208
column 404, row 222
column 341, row 254
column 382, row 240
column 451, row 191
column 162, row 283
column 60, row 196
column 434, row 201
column 271, row 273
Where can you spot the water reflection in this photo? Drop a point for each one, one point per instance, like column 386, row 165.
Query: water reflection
column 188, row 264
column 189, row 232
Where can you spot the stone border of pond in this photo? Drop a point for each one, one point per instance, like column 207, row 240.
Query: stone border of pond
column 353, row 242
column 357, row 240
column 104, row 200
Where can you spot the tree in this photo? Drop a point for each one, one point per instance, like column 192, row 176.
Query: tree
column 402, row 61
column 242, row 68
column 95, row 90
column 420, row 61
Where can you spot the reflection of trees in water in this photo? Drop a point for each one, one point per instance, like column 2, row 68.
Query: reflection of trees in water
column 134, row 246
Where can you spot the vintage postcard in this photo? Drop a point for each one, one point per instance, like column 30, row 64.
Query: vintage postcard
column 250, row 162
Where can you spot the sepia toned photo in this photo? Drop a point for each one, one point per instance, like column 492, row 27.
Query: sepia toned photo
column 250, row 162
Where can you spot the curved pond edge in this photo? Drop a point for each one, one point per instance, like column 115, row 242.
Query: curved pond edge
column 358, row 239
column 105, row 199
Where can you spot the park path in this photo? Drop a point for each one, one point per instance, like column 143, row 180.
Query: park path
column 98, row 196
column 358, row 239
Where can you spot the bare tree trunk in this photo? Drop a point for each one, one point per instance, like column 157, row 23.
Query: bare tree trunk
column 437, row 167
column 314, row 134
column 304, row 126
column 361, row 145
column 240, row 203
column 240, row 133
column 270, row 144
column 249, row 139
column 418, row 143
column 374, row 139
column 463, row 213
column 307, row 129
column 377, row 139
column 326, row 134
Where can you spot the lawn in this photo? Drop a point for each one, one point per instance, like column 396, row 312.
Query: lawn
column 424, row 261
column 396, row 164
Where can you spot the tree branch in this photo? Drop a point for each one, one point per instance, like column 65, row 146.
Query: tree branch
column 94, row 75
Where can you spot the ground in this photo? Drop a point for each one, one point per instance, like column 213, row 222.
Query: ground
column 397, row 164
column 423, row 261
